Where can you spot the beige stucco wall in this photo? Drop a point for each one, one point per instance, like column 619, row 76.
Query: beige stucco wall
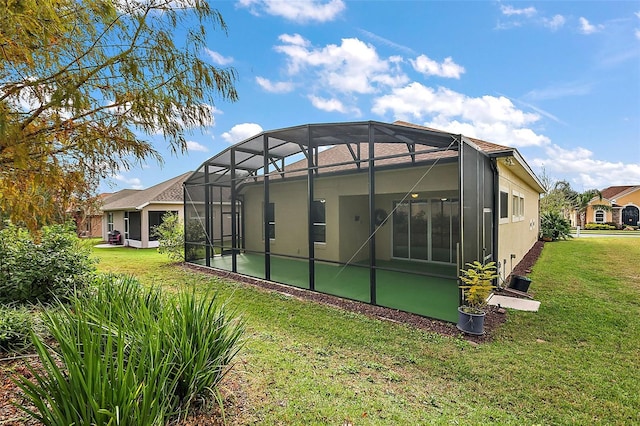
column 516, row 234
column 347, row 213
column 347, row 210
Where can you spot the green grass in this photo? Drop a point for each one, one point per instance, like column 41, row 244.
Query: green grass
column 574, row 362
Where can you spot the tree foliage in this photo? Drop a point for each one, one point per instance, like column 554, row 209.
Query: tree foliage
column 83, row 83
column 41, row 272
column 170, row 235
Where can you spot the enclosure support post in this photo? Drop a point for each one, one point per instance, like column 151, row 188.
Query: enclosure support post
column 267, row 242
column 221, row 223
column 185, row 215
column 207, row 217
column 310, row 171
column 234, row 254
column 372, row 218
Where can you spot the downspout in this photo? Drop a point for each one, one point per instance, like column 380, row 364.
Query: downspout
column 496, row 207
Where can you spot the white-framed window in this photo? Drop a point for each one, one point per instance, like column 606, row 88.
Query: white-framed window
column 110, row 222
column 599, row 216
column 517, row 206
column 319, row 221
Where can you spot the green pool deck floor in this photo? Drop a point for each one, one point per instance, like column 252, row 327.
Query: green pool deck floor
column 433, row 297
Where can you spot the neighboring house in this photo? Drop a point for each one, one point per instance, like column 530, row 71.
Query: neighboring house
column 134, row 213
column 89, row 221
column 377, row 212
column 622, row 206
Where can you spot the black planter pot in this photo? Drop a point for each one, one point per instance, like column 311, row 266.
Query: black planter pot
column 520, row 283
column 470, row 323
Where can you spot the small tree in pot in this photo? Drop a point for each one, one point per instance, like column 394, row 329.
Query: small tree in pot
column 477, row 284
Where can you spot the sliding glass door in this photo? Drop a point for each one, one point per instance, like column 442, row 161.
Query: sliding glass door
column 425, row 230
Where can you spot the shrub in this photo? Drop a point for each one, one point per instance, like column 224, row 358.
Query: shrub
column 162, row 351
column 170, row 235
column 15, row 326
column 553, row 225
column 599, row 227
column 38, row 272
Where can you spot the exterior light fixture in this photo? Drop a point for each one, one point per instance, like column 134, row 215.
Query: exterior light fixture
column 414, row 195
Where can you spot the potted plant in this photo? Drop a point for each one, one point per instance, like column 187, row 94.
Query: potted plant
column 477, row 283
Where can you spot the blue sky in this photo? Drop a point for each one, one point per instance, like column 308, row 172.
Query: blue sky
column 559, row 81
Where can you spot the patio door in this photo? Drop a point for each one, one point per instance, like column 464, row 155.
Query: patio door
column 425, row 230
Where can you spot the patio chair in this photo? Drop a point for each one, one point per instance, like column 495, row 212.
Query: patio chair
column 115, row 237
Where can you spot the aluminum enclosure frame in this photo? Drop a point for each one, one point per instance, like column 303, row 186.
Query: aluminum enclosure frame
column 270, row 156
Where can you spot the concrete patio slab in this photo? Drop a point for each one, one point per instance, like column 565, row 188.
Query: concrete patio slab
column 514, row 303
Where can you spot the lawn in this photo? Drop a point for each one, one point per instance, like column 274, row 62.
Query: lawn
column 574, row 362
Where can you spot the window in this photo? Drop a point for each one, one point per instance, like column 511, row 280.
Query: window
column 155, row 219
column 599, row 216
column 517, row 206
column 504, row 205
column 318, row 219
column 271, row 220
column 110, row 222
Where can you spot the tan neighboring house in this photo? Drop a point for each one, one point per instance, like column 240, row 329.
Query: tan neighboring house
column 89, row 222
column 623, row 206
column 133, row 213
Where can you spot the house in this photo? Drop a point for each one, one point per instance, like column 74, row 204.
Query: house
column 622, row 206
column 89, row 219
column 376, row 212
column 134, row 213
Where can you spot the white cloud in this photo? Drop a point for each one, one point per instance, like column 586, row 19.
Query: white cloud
column 554, row 23
column 217, row 58
column 195, row 146
column 351, row 67
column 511, row 11
column 240, row 132
column 487, row 117
column 589, row 172
column 275, row 87
column 332, row 105
column 638, row 34
column 449, row 69
column 587, row 28
column 300, row 11
column 133, row 183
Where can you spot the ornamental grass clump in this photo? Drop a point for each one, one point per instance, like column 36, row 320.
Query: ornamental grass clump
column 15, row 327
column 130, row 355
column 477, row 285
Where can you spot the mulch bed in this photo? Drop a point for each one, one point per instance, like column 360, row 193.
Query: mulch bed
column 209, row 414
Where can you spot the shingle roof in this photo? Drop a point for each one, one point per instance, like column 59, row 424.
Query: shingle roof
column 169, row 191
column 483, row 145
column 395, row 153
column 613, row 191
